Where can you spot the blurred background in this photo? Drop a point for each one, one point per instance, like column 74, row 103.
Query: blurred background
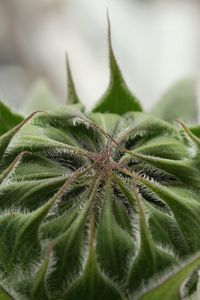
column 156, row 43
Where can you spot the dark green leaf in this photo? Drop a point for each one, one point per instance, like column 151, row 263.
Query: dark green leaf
column 8, row 119
column 71, row 90
column 195, row 130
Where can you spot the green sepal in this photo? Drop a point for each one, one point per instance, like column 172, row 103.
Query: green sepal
column 8, row 119
column 149, row 262
column 30, row 194
column 36, row 167
column 39, row 288
column 41, row 140
column 117, row 99
column 137, row 125
column 179, row 102
column 50, row 131
column 166, row 231
column 170, row 288
column 185, row 206
column 67, row 252
column 149, row 259
column 122, row 217
column 92, row 284
column 164, row 147
column 114, row 244
column 184, row 170
column 19, row 240
column 56, row 227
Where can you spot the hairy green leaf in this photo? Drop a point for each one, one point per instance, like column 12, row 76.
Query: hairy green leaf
column 92, row 284
column 170, row 287
column 111, row 237
column 8, row 119
column 96, row 205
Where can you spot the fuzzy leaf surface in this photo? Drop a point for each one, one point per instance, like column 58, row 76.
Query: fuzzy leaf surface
column 170, row 288
column 8, row 119
column 113, row 198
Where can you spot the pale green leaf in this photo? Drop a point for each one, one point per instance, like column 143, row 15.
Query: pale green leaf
column 179, row 102
column 40, row 98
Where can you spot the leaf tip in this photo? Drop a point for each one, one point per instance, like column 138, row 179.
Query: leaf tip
column 72, row 97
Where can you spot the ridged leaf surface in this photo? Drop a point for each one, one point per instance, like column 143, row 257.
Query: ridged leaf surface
column 94, row 206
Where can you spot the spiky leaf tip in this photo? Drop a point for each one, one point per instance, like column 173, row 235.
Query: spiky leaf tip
column 117, row 98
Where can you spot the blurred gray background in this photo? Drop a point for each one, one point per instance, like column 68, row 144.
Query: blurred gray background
column 155, row 42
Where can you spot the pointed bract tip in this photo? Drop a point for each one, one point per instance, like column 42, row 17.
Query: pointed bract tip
column 110, row 48
column 109, row 26
column 67, row 62
column 72, row 97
